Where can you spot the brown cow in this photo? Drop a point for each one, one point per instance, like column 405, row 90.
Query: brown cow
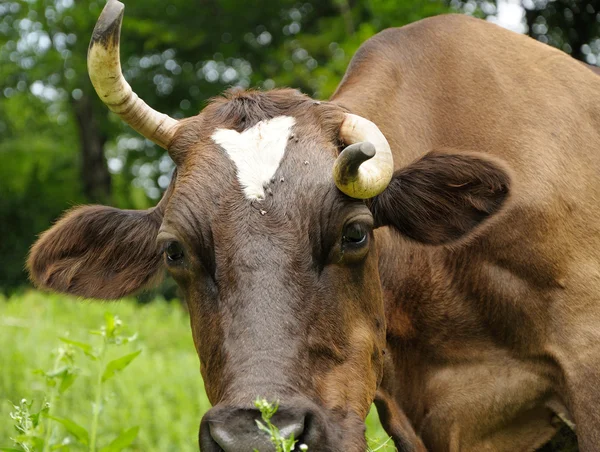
column 596, row 69
column 462, row 291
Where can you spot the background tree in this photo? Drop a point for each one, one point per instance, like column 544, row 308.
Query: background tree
column 570, row 25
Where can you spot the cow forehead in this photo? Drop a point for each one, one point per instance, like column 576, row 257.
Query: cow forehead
column 276, row 145
column 274, row 175
column 256, row 152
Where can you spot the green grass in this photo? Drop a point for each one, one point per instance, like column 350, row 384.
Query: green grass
column 161, row 391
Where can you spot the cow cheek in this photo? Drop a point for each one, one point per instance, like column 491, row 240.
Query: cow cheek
column 195, row 323
column 348, row 389
column 206, row 329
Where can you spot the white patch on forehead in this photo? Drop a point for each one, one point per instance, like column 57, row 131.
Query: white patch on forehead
column 256, row 152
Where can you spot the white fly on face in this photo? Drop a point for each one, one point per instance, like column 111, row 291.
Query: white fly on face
column 256, row 152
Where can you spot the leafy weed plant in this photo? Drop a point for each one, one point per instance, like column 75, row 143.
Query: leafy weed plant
column 36, row 430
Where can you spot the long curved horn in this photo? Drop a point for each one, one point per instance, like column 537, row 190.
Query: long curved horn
column 364, row 169
column 104, row 68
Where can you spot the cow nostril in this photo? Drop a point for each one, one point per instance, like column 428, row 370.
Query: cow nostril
column 311, row 434
column 296, row 429
column 221, row 436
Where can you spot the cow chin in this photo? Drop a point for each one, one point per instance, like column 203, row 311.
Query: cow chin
column 234, row 429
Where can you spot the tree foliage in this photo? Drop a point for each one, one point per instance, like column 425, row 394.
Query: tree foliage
column 570, row 25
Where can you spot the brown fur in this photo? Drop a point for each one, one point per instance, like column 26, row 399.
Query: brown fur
column 100, row 252
column 495, row 140
column 95, row 251
column 506, row 321
column 595, row 69
column 443, row 196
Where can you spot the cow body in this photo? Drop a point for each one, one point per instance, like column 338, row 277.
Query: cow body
column 490, row 338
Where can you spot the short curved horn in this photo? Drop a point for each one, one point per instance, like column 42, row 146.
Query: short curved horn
column 104, row 68
column 364, row 169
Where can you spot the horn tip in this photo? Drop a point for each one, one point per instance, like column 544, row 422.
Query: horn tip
column 359, row 152
column 368, row 149
column 108, row 26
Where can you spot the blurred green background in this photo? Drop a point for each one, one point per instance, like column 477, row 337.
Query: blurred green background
column 60, row 147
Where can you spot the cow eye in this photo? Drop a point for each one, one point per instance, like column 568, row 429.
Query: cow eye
column 174, row 252
column 355, row 234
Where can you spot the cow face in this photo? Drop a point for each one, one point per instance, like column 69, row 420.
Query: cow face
column 267, row 227
column 278, row 268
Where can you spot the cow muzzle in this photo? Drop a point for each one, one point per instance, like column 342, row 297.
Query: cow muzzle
column 234, row 429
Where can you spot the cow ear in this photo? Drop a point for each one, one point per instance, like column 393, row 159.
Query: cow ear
column 98, row 252
column 443, row 196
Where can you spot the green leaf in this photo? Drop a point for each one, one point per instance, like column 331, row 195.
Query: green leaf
column 110, row 324
column 8, row 449
column 118, row 364
column 87, row 348
column 57, row 372
column 122, row 441
column 35, row 418
column 66, row 382
column 74, row 429
column 125, row 340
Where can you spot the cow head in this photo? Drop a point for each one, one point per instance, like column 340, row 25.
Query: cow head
column 266, row 230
